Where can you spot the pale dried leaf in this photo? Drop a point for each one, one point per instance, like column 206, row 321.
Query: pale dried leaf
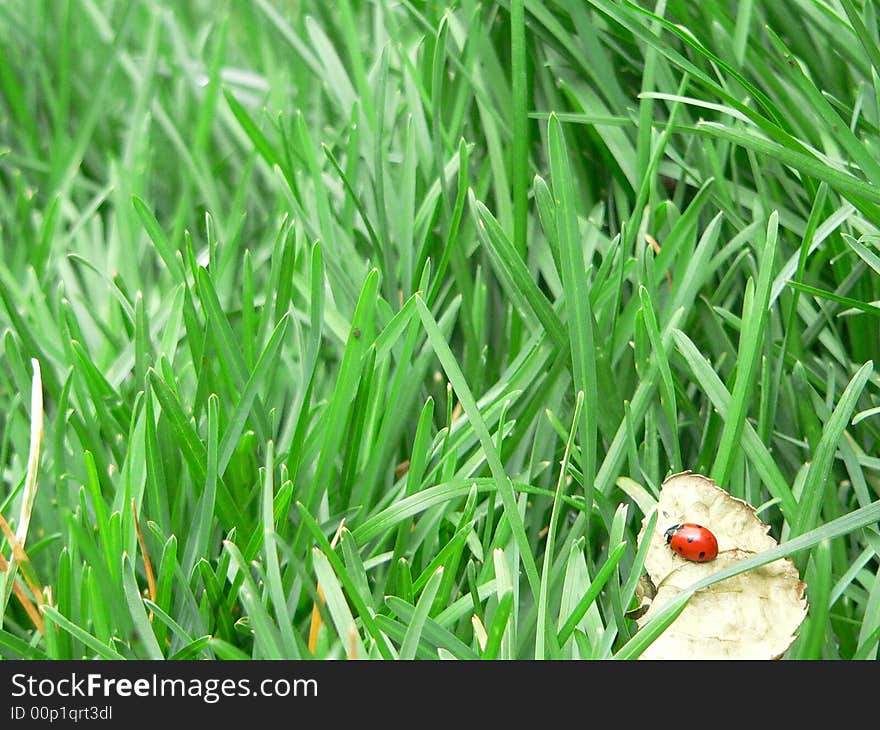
column 753, row 615
column 645, row 593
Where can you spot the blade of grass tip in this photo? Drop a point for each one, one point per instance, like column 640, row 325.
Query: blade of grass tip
column 515, row 275
column 273, row 569
column 464, row 532
column 819, row 578
column 168, row 567
column 346, row 629
column 816, row 232
column 667, row 385
column 751, row 344
column 640, row 406
column 396, row 630
column 164, row 247
column 186, row 437
column 404, row 581
column 228, row 344
column 867, row 413
column 629, row 588
column 166, row 620
column 591, row 594
column 451, row 242
column 547, row 217
column 190, row 650
column 216, row 598
column 238, row 419
column 449, row 555
column 64, row 623
column 618, row 609
column 138, row 612
column 316, row 302
column 316, row 622
column 505, row 584
column 575, row 581
column 414, row 630
column 541, row 629
column 197, row 544
column 366, row 615
column 59, row 645
column 433, row 633
column 469, row 404
column 864, row 253
column 156, row 493
column 813, row 494
column 419, row 458
column 355, row 566
column 359, row 340
column 357, row 202
column 266, row 639
column 645, row 501
column 190, row 444
column 256, row 136
column 576, row 288
column 316, row 320
column 225, row 650
column 495, row 632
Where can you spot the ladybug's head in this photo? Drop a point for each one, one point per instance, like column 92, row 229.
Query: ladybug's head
column 671, row 531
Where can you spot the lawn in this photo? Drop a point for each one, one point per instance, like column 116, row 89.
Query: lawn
column 371, row 329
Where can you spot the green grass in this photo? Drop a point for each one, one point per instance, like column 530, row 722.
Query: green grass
column 357, row 326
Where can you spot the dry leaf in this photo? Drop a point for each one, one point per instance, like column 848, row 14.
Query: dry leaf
column 645, row 593
column 753, row 615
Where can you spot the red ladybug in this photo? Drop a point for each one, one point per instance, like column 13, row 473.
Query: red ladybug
column 692, row 542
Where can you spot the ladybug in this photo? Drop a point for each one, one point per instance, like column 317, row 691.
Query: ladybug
column 693, row 542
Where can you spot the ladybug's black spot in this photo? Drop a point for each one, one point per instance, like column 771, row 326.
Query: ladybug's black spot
column 690, row 539
column 702, row 555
